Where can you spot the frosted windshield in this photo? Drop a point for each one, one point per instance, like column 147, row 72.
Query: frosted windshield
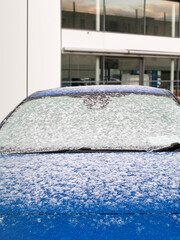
column 96, row 121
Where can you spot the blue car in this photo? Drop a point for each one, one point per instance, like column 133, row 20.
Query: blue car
column 92, row 162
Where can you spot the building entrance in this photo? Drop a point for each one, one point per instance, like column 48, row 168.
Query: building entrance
column 105, row 70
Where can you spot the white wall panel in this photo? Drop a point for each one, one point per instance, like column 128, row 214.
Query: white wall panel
column 44, row 43
column 117, row 42
column 12, row 54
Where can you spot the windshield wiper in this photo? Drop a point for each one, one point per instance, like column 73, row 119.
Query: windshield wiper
column 7, row 151
column 91, row 150
column 173, row 147
column 78, row 150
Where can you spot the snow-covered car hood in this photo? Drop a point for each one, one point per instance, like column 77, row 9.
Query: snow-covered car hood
column 89, row 183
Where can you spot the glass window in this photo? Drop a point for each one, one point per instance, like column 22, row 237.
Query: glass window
column 83, row 70
column 158, row 70
column 95, row 120
column 124, row 16
column 78, row 70
column 82, row 14
column 162, row 18
column 123, row 71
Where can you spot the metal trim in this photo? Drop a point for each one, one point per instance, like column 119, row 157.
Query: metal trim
column 120, row 51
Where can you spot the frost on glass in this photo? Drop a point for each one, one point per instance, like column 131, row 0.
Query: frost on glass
column 97, row 121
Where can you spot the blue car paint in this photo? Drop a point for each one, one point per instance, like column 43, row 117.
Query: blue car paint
column 32, row 207
column 96, row 227
column 99, row 89
column 90, row 196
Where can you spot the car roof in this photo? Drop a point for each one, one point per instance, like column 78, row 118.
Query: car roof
column 100, row 89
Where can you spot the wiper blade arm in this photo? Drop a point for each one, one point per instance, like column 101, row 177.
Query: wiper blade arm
column 50, row 151
column 173, row 147
column 78, row 150
column 84, row 150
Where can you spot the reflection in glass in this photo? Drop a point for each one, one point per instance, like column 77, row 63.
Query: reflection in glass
column 81, row 14
column 78, row 70
column 162, row 18
column 82, row 69
column 123, row 71
column 125, row 16
column 158, row 71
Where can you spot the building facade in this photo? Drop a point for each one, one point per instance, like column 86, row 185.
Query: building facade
column 51, row 43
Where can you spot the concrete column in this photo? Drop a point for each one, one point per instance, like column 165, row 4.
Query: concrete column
column 172, row 35
column 97, row 71
column 98, row 4
column 172, row 75
column 97, row 29
column 44, row 45
column 141, row 74
column 13, row 54
column 173, row 23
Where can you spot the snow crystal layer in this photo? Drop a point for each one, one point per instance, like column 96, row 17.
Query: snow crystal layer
column 91, row 182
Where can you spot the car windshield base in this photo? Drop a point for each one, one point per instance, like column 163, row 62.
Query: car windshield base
column 93, row 122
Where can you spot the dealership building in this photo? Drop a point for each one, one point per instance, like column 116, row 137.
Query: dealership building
column 51, row 43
